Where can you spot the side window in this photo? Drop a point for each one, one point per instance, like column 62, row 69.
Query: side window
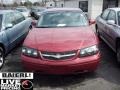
column 118, row 16
column 9, row 18
column 1, row 21
column 105, row 14
column 112, row 15
column 19, row 17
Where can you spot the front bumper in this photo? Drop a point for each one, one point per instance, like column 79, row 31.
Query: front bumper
column 78, row 65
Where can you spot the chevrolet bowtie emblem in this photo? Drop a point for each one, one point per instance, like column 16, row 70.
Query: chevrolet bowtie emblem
column 58, row 56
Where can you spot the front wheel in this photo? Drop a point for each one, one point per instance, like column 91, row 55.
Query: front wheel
column 1, row 57
column 97, row 33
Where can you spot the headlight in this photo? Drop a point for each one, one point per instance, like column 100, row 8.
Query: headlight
column 30, row 52
column 89, row 51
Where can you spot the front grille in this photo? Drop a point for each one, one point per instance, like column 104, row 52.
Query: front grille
column 58, row 55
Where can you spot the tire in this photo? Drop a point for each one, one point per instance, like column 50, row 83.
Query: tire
column 97, row 32
column 30, row 27
column 118, row 56
column 1, row 57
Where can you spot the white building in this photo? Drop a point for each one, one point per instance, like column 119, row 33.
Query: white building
column 92, row 7
column 50, row 3
column 58, row 3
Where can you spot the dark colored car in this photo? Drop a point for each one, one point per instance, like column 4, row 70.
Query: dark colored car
column 13, row 29
column 36, row 12
column 108, row 28
column 61, row 43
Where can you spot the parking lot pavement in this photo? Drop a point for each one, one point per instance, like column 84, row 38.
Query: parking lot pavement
column 106, row 77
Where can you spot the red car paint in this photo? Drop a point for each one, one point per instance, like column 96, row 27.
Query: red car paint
column 65, row 39
column 61, row 40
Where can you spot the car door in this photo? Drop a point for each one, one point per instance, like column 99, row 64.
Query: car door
column 11, row 34
column 22, row 24
column 111, row 29
column 101, row 23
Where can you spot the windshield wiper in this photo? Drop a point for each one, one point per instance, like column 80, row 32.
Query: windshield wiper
column 42, row 27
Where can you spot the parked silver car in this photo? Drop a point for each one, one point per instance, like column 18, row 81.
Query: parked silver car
column 108, row 28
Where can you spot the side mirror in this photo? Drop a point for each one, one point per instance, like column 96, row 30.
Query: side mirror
column 8, row 26
column 111, row 22
column 34, row 22
column 91, row 22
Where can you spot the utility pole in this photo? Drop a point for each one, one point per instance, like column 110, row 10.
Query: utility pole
column 55, row 3
column 44, row 2
column 1, row 2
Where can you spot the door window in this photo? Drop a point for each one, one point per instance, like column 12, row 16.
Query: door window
column 105, row 14
column 118, row 14
column 19, row 17
column 112, row 15
column 0, row 21
column 9, row 19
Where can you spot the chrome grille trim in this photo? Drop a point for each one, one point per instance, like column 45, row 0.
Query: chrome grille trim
column 58, row 55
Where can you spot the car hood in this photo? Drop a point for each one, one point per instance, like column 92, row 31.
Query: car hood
column 61, row 39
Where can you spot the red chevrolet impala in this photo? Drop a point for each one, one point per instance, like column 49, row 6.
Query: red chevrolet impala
column 62, row 42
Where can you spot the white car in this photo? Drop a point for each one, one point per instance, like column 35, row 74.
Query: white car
column 24, row 11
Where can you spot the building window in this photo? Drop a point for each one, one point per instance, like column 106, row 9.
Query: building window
column 50, row 4
column 83, row 5
column 62, row 5
column 110, row 4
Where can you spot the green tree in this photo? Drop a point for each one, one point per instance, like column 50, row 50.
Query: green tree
column 21, row 4
column 36, row 4
column 28, row 4
column 15, row 4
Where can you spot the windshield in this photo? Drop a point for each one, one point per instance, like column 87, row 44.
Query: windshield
column 62, row 19
column 21, row 9
column 0, row 21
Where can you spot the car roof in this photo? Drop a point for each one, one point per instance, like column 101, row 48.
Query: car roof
column 21, row 7
column 36, row 7
column 5, row 11
column 62, row 9
column 115, row 9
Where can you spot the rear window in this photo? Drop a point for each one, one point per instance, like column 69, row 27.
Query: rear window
column 0, row 21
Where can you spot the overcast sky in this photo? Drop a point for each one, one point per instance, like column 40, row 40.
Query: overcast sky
column 11, row 1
